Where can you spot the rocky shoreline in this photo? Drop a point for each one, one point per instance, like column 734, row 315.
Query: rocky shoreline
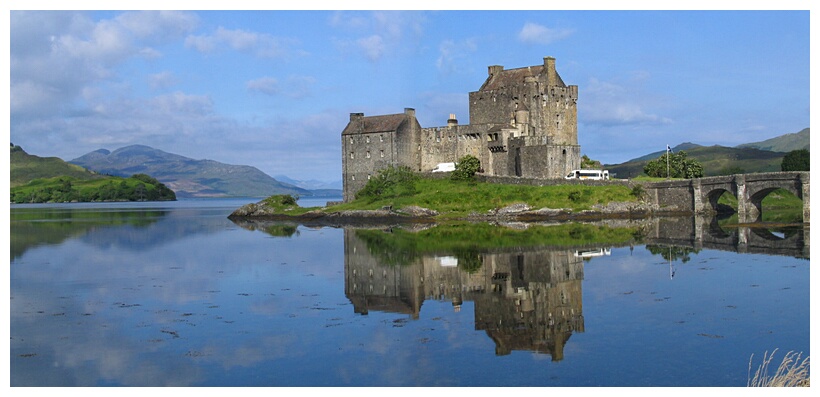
column 414, row 214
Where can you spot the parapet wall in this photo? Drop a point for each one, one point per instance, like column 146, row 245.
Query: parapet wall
column 513, row 180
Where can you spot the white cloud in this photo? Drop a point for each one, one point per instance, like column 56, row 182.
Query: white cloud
column 377, row 33
column 265, row 85
column 296, row 87
column 161, row 80
column 538, row 34
column 451, row 54
column 56, row 55
column 158, row 24
column 373, row 47
column 258, row 44
column 610, row 104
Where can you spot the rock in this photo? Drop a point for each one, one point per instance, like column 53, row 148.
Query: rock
column 417, row 211
column 513, row 209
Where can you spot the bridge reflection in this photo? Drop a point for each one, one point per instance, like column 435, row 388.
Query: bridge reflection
column 701, row 232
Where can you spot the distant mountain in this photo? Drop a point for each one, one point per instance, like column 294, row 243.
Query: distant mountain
column 185, row 176
column 311, row 184
column 784, row 143
column 722, row 160
column 26, row 167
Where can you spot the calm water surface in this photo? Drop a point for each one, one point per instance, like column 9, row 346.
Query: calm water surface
column 175, row 294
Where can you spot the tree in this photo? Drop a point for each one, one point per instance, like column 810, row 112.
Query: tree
column 796, row 160
column 678, row 166
column 466, row 168
column 589, row 164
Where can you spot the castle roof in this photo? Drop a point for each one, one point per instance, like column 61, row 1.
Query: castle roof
column 371, row 124
column 512, row 77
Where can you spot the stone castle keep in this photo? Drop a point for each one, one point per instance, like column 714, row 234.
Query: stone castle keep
column 523, row 122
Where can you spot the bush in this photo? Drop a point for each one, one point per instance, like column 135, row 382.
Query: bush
column 678, row 166
column 638, row 191
column 389, row 182
column 466, row 168
column 796, row 160
column 280, row 200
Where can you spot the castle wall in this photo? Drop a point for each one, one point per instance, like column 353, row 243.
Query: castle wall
column 438, row 145
column 534, row 157
column 364, row 154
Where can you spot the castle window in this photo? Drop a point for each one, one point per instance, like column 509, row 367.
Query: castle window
column 368, row 156
column 367, row 139
column 381, row 153
column 353, row 177
column 368, row 177
column 381, row 138
column 351, row 140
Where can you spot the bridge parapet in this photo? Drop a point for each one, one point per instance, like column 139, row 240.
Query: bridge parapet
column 701, row 195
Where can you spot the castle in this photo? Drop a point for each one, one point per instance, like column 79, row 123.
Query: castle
column 523, row 122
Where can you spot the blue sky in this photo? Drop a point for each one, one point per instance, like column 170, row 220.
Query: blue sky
column 274, row 89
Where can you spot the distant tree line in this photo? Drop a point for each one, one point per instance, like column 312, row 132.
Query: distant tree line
column 139, row 187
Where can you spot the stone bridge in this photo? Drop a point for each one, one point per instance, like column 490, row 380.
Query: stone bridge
column 701, row 195
column 701, row 232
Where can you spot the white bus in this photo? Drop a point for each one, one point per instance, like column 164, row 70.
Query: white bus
column 595, row 175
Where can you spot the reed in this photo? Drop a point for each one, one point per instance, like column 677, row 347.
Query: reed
column 793, row 371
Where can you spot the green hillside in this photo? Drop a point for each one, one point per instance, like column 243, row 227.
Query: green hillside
column 37, row 179
column 783, row 143
column 26, row 167
column 764, row 156
column 716, row 160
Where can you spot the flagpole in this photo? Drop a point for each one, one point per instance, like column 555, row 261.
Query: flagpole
column 667, row 162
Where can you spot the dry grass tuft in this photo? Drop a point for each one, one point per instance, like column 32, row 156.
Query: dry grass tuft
column 792, row 372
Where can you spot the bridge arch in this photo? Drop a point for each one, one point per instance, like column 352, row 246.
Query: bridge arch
column 702, row 194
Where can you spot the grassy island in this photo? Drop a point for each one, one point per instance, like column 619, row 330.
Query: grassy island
column 404, row 192
column 461, row 198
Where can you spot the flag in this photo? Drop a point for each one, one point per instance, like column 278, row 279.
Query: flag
column 668, row 149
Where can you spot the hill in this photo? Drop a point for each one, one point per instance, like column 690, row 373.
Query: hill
column 186, row 176
column 311, row 184
column 784, row 143
column 723, row 160
column 37, row 179
column 25, row 167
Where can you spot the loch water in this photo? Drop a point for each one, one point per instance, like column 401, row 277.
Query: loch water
column 176, row 294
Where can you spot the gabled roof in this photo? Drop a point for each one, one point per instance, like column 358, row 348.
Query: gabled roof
column 511, row 77
column 371, row 124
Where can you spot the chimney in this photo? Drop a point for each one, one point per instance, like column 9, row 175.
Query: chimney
column 494, row 70
column 410, row 112
column 356, row 116
column 452, row 122
column 549, row 69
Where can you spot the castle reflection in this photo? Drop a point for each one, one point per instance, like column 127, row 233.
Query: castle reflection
column 525, row 298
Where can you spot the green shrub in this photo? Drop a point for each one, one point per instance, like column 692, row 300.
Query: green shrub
column 280, row 200
column 676, row 166
column 638, row 191
column 796, row 160
column 466, row 168
column 389, row 182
